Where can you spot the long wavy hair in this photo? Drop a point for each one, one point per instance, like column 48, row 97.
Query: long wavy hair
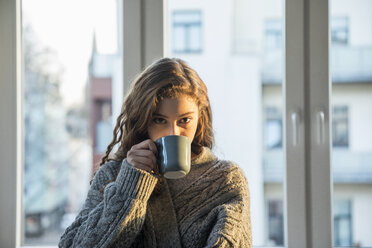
column 165, row 78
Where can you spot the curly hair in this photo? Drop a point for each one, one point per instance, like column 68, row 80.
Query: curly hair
column 165, row 78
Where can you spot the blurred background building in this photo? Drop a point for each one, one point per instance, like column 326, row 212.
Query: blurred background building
column 100, row 95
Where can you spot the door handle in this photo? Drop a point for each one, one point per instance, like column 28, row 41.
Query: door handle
column 320, row 127
column 295, row 123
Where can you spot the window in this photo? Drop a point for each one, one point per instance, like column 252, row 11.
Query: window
column 187, row 31
column 340, row 30
column 275, row 222
column 273, row 33
column 340, row 126
column 273, row 128
column 301, row 88
column 67, row 118
column 342, row 223
column 104, row 128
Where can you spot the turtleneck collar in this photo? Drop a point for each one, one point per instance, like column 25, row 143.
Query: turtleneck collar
column 199, row 165
column 205, row 156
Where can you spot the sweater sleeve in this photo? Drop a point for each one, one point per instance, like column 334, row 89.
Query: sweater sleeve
column 232, row 226
column 119, row 209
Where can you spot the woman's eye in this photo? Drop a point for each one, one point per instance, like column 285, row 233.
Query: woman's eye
column 185, row 120
column 159, row 120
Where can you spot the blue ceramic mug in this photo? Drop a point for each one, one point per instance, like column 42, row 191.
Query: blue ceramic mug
column 174, row 156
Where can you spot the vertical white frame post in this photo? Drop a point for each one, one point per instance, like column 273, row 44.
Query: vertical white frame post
column 154, row 12
column 306, row 91
column 318, row 88
column 132, row 40
column 295, row 123
column 143, row 33
column 10, row 124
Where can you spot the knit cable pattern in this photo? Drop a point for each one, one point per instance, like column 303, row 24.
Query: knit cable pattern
column 212, row 208
column 215, row 207
column 121, row 208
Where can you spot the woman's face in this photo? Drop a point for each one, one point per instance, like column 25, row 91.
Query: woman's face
column 174, row 117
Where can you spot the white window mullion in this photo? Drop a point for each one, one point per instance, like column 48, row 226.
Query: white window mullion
column 132, row 41
column 143, row 36
column 10, row 124
column 307, row 91
column 318, row 85
column 154, row 13
column 295, row 122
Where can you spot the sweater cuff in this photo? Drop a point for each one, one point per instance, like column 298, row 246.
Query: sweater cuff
column 134, row 182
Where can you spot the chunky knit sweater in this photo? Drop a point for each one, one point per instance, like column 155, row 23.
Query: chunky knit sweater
column 209, row 207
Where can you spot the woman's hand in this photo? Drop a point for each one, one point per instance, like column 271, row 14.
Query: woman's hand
column 143, row 156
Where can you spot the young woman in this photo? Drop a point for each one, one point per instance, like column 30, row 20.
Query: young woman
column 130, row 205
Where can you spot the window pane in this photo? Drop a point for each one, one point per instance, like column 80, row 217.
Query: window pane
column 195, row 38
column 339, row 30
column 69, row 77
column 351, row 73
column 244, row 80
column 179, row 37
column 187, row 31
column 273, row 33
column 186, row 16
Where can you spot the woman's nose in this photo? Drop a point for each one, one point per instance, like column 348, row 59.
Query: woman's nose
column 174, row 130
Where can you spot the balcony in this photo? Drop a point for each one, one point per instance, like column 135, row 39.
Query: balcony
column 347, row 166
column 348, row 65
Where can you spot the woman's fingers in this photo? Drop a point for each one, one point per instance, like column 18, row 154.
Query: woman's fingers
column 142, row 163
column 142, row 156
column 146, row 145
column 149, row 160
column 145, row 154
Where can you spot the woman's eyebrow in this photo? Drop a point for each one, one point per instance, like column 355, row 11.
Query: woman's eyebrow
column 188, row 113
column 158, row 114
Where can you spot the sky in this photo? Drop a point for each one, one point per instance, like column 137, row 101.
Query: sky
column 67, row 27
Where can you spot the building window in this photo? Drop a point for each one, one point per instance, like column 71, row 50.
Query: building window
column 342, row 222
column 340, row 30
column 340, row 126
column 187, row 31
column 275, row 222
column 104, row 127
column 273, row 33
column 273, row 128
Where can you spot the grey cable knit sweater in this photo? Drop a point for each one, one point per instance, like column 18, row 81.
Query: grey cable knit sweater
column 207, row 208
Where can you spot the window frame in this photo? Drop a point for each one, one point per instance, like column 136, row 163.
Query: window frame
column 280, row 215
column 187, row 27
column 306, row 126
column 271, row 32
column 336, row 29
column 342, row 118
column 11, row 110
column 308, row 179
column 339, row 216
column 273, row 115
